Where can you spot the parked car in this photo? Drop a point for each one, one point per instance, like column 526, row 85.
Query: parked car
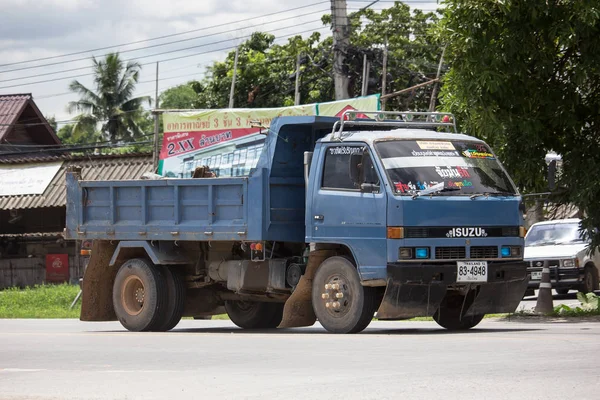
column 561, row 244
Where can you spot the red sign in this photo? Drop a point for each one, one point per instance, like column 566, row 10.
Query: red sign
column 57, row 267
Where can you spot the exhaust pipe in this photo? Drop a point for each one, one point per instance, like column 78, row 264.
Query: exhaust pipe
column 307, row 161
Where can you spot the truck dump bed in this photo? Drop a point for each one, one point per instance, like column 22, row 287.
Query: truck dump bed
column 164, row 209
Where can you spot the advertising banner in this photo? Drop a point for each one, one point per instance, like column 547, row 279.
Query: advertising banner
column 228, row 141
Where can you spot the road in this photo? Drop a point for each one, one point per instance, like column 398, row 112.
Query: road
column 203, row 359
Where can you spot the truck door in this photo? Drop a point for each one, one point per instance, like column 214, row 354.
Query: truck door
column 344, row 213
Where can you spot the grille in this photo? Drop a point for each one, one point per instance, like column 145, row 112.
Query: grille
column 551, row 263
column 416, row 233
column 449, row 253
column 484, row 252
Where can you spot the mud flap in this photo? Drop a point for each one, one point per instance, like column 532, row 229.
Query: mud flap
column 498, row 297
column 403, row 301
column 96, row 302
column 298, row 309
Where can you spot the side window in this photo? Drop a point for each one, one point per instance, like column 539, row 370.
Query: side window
column 369, row 171
column 336, row 170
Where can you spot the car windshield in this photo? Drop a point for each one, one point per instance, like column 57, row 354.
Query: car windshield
column 553, row 234
column 462, row 167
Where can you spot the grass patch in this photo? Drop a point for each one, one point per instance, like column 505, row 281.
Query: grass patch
column 40, row 301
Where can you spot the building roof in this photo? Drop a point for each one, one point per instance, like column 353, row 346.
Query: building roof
column 93, row 168
column 12, row 107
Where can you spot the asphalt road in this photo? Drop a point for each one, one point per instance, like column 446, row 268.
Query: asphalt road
column 200, row 359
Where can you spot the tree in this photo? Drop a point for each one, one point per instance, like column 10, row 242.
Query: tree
column 112, row 104
column 86, row 134
column 179, row 97
column 525, row 77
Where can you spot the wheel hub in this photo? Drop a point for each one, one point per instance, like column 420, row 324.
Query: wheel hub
column 337, row 296
column 133, row 295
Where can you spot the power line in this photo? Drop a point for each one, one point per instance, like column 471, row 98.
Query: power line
column 140, row 48
column 160, row 37
column 154, row 55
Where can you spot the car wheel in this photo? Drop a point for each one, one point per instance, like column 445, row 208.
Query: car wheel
column 590, row 280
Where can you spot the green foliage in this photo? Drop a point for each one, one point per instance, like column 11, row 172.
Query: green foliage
column 111, row 104
column 40, row 301
column 266, row 71
column 525, row 77
column 590, row 305
column 179, row 97
column 84, row 135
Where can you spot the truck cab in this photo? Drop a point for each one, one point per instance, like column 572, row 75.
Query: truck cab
column 431, row 216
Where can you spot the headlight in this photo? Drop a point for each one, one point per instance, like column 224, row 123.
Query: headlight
column 570, row 263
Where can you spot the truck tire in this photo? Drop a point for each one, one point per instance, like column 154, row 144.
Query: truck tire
column 175, row 299
column 590, row 280
column 340, row 302
column 449, row 314
column 254, row 315
column 139, row 295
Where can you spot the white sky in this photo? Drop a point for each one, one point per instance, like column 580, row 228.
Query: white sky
column 34, row 29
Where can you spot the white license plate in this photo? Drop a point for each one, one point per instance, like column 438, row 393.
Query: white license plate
column 536, row 275
column 471, row 271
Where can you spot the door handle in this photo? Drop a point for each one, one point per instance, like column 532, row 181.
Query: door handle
column 319, row 217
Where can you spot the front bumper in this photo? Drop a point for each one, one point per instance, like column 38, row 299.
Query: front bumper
column 415, row 290
column 560, row 278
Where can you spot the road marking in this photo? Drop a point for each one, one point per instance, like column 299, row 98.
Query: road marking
column 21, row 370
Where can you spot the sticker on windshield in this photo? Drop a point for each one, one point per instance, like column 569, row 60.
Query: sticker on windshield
column 434, row 153
column 435, row 145
column 402, row 187
column 450, row 172
column 470, row 153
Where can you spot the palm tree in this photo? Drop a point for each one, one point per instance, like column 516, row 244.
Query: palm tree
column 112, row 103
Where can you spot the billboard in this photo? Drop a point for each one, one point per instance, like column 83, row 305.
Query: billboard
column 229, row 140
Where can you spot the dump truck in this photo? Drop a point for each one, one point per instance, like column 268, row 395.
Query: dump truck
column 391, row 215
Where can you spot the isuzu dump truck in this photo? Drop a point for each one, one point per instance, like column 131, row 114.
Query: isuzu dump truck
column 342, row 219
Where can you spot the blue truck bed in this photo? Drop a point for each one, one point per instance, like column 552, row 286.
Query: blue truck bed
column 269, row 204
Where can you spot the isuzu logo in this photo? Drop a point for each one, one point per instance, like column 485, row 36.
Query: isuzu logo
column 466, row 232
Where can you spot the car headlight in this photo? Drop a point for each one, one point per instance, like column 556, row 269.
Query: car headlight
column 570, row 263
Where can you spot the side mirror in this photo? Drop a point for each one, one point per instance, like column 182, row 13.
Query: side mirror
column 355, row 168
column 552, row 175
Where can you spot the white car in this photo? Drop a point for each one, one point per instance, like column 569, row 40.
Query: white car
column 559, row 242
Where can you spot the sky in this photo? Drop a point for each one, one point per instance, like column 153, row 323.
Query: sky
column 46, row 44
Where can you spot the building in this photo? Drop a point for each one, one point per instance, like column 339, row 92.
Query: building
column 32, row 213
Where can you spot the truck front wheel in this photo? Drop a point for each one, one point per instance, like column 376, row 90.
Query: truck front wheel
column 139, row 295
column 340, row 302
column 254, row 315
column 451, row 314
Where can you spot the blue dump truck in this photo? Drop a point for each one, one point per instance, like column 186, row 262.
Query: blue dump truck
column 342, row 219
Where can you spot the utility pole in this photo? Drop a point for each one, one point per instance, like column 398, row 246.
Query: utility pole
column 341, row 41
column 237, row 49
column 365, row 76
column 384, row 77
column 435, row 85
column 297, row 90
column 155, row 153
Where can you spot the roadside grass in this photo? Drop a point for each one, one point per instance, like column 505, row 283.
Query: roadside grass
column 40, row 301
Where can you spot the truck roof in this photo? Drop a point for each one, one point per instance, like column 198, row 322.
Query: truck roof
column 369, row 136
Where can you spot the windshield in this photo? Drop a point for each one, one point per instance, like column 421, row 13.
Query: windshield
column 461, row 166
column 547, row 235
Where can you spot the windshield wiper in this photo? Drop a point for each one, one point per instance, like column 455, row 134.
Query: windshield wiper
column 486, row 194
column 440, row 187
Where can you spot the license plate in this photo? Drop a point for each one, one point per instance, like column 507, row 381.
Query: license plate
column 471, row 271
column 536, row 275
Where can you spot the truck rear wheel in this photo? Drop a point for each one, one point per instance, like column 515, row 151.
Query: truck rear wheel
column 139, row 295
column 340, row 302
column 254, row 315
column 175, row 299
column 451, row 314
